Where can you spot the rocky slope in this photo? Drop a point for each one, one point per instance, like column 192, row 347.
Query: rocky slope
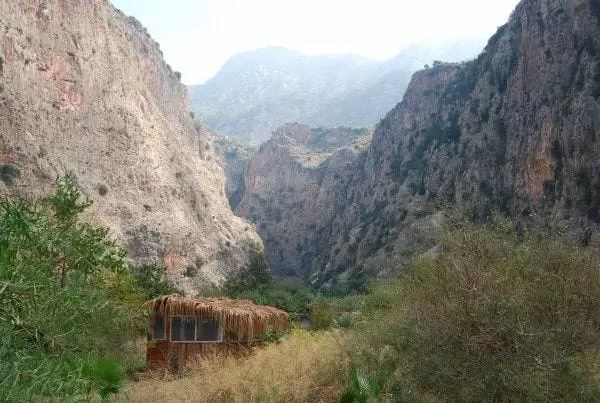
column 255, row 92
column 85, row 89
column 234, row 156
column 293, row 186
column 514, row 131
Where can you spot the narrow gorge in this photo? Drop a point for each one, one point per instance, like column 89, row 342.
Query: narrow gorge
column 514, row 131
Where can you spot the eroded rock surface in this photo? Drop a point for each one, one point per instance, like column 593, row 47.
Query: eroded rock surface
column 85, row 89
column 295, row 185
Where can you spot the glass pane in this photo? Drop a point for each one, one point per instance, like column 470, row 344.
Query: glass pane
column 208, row 329
column 189, row 328
column 183, row 328
column 176, row 327
column 159, row 326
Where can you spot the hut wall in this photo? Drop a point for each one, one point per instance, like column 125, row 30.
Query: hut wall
column 157, row 354
column 174, row 356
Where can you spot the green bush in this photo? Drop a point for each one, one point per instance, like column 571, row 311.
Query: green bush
column 344, row 321
column 292, row 296
column 255, row 275
column 256, row 283
column 102, row 190
column 152, row 281
column 497, row 316
column 8, row 173
column 364, row 387
column 322, row 314
column 273, row 336
column 68, row 304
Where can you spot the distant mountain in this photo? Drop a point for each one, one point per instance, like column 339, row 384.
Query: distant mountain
column 256, row 92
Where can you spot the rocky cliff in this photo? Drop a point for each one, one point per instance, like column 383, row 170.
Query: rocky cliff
column 516, row 131
column 84, row 89
column 293, row 186
column 234, row 156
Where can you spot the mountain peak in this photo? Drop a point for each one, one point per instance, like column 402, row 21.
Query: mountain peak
column 258, row 91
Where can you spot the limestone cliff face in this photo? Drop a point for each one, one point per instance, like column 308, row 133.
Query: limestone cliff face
column 292, row 190
column 516, row 130
column 85, row 89
column 234, row 156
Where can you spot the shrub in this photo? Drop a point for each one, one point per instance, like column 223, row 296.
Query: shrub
column 322, row 314
column 364, row 388
column 102, row 190
column 68, row 303
column 8, row 173
column 273, row 336
column 152, row 281
column 256, row 274
column 496, row 316
column 344, row 321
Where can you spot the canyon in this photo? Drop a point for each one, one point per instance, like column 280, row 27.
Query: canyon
column 513, row 132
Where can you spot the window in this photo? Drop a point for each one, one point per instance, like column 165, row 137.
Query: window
column 196, row 329
column 208, row 329
column 159, row 326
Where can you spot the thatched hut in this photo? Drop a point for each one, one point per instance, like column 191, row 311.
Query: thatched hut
column 182, row 329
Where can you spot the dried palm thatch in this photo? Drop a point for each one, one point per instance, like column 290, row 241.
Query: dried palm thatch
column 241, row 316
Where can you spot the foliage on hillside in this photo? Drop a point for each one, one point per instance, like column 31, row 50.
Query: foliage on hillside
column 498, row 315
column 255, row 282
column 152, row 281
column 67, row 301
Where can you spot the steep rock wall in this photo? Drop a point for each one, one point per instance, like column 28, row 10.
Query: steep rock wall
column 293, row 188
column 84, row 89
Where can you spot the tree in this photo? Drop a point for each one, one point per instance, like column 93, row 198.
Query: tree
column 67, row 301
column 256, row 274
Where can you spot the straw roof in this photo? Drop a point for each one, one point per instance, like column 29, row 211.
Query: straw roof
column 242, row 315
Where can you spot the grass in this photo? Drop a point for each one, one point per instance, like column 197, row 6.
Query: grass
column 302, row 367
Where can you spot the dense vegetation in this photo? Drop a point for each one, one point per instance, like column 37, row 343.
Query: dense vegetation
column 498, row 315
column 256, row 282
column 68, row 303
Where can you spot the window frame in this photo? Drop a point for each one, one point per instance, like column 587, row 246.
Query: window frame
column 196, row 317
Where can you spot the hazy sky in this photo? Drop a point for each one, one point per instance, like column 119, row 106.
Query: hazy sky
column 198, row 36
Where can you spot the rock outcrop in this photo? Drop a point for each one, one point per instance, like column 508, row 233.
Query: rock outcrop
column 234, row 157
column 293, row 188
column 515, row 131
column 85, row 89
